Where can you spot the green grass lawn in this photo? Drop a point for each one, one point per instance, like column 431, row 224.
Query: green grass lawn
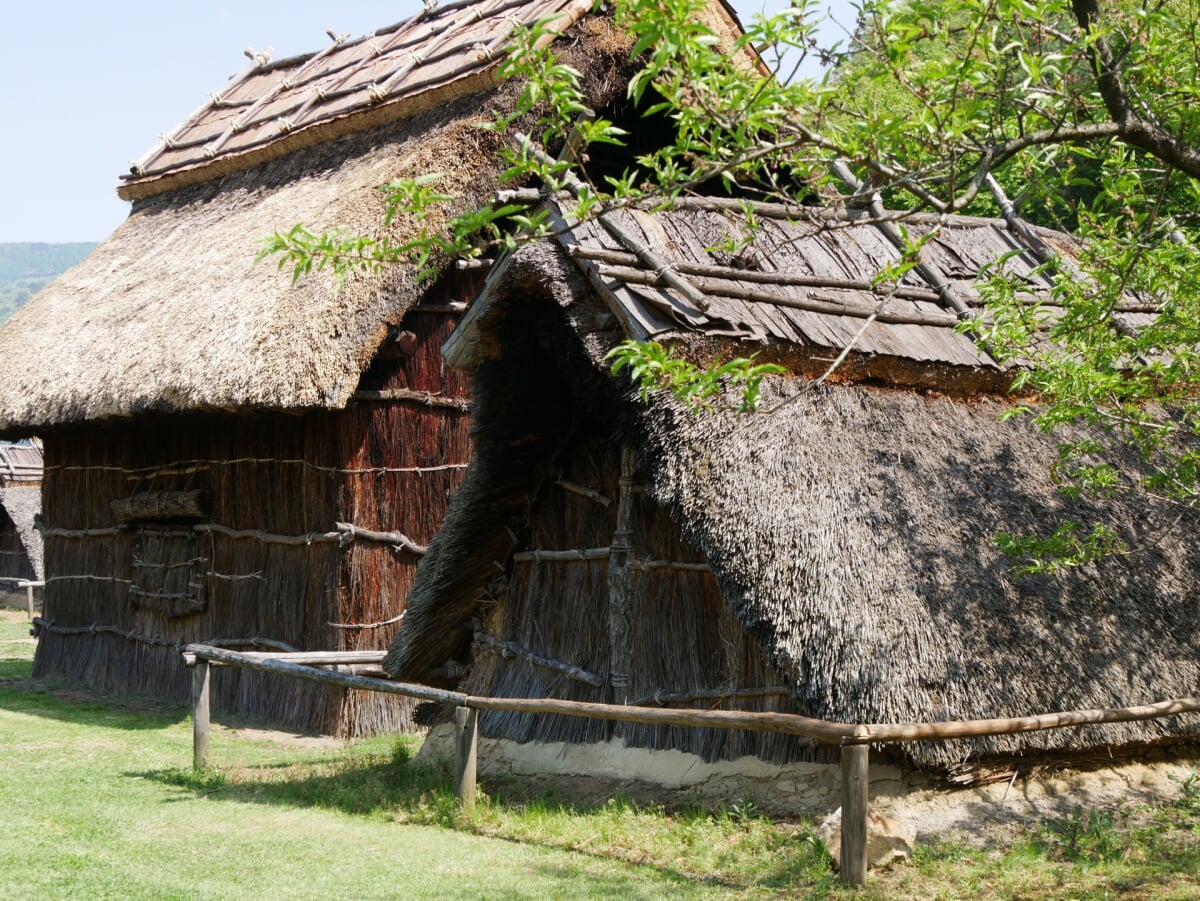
column 97, row 800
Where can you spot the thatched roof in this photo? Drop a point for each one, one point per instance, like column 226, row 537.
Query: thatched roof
column 853, row 532
column 852, row 528
column 23, row 504
column 171, row 314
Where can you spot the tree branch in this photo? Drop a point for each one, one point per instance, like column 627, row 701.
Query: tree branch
column 1134, row 129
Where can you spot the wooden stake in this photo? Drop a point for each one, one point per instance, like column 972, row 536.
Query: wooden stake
column 619, row 588
column 200, row 715
column 854, row 813
column 466, row 747
column 29, row 599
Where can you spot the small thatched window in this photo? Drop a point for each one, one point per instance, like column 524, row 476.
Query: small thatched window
column 169, row 571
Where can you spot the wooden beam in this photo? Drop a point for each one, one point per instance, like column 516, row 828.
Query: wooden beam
column 783, row 723
column 855, row 777
column 200, row 715
column 466, row 748
column 620, row 587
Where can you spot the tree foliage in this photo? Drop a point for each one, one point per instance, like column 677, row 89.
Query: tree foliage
column 1085, row 110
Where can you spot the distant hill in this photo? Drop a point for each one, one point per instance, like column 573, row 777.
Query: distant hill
column 26, row 268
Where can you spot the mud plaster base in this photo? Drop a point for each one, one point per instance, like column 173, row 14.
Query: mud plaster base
column 595, row 772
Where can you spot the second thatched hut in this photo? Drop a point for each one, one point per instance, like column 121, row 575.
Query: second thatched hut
column 833, row 556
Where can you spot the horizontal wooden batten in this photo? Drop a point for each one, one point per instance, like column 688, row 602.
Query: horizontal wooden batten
column 317, row 657
column 396, row 539
column 755, row 276
column 159, row 505
column 379, row 625
column 344, row 532
column 670, row 564
column 584, row 491
column 591, row 553
column 663, row 698
column 503, row 648
column 424, row 398
column 603, row 553
column 185, row 467
column 40, row 624
column 724, row 289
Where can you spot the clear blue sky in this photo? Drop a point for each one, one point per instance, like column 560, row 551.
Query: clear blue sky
column 89, row 86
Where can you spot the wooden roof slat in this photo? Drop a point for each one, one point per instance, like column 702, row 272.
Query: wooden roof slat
column 812, row 287
column 752, row 276
column 282, row 84
column 257, row 61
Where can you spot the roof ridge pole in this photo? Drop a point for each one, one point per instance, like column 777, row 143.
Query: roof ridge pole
column 928, row 270
column 1016, row 224
column 620, row 583
column 1045, row 255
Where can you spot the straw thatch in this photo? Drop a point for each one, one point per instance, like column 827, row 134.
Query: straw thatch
column 849, row 533
column 20, row 543
column 21, row 503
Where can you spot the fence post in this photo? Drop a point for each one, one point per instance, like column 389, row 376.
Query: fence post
column 29, row 599
column 855, row 776
column 200, row 714
column 466, row 746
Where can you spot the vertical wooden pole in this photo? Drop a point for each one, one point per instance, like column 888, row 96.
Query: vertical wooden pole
column 466, row 747
column 200, row 715
column 620, row 584
column 29, row 599
column 855, row 776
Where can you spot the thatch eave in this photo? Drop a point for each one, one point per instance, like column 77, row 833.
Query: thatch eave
column 171, row 314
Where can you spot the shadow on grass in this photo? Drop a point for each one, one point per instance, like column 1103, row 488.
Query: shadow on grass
column 395, row 788
column 21, row 693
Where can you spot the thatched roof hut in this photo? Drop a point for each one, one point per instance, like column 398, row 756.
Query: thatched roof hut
column 234, row 456
column 20, row 505
column 832, row 556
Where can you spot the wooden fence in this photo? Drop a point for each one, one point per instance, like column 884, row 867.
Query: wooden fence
column 28, row 585
column 350, row 670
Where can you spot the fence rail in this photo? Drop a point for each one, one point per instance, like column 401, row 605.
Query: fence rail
column 28, row 585
column 854, row 739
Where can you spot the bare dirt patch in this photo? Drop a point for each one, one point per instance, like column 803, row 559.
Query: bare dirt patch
column 282, row 737
column 991, row 814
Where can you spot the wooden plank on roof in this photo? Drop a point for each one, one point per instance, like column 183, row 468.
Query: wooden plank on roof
column 865, row 251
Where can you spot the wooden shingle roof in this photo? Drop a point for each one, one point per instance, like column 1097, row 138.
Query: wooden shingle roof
column 265, row 110
column 808, row 277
